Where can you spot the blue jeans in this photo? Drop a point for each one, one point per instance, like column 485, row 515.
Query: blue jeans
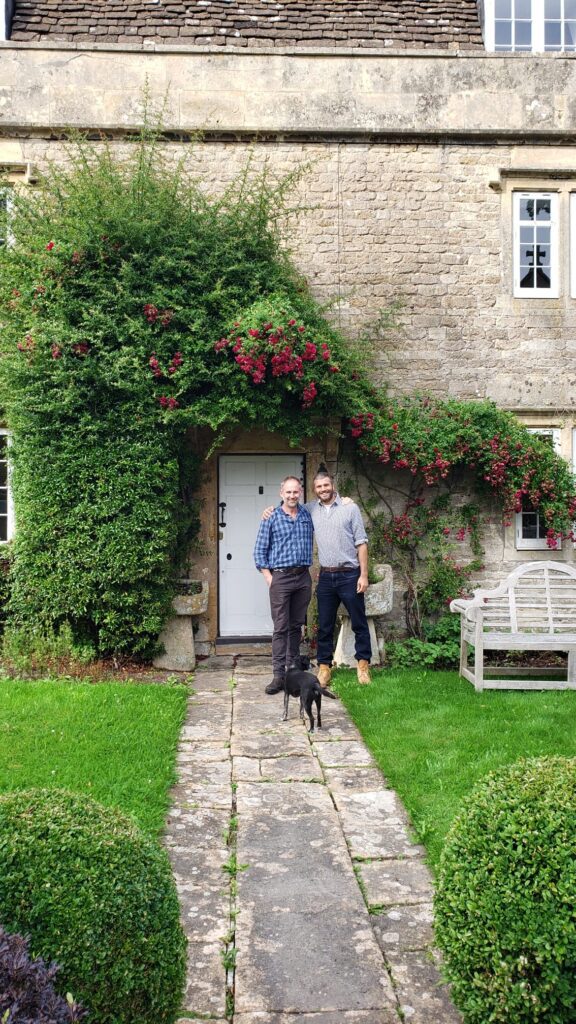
column 333, row 588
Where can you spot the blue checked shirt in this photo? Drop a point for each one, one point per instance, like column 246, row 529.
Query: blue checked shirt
column 283, row 541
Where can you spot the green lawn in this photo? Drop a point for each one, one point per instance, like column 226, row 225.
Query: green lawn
column 115, row 742
column 434, row 737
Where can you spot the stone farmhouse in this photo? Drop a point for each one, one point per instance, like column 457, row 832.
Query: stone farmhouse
column 442, row 142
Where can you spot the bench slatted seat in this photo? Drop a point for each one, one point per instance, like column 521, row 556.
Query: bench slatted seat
column 533, row 609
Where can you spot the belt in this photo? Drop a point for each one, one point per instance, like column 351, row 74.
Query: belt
column 292, row 570
column 339, row 568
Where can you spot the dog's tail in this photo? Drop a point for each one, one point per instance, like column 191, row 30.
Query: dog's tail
column 328, row 693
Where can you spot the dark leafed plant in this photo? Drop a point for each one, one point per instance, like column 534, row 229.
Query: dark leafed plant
column 27, row 994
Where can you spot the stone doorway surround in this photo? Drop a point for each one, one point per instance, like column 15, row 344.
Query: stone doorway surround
column 204, row 566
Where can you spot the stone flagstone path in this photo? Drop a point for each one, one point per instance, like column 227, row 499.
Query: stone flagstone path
column 303, row 898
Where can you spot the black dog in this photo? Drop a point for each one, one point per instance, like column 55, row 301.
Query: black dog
column 301, row 683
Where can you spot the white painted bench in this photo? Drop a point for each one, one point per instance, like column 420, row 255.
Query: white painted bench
column 534, row 609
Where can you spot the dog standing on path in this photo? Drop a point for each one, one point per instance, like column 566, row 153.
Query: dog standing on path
column 299, row 682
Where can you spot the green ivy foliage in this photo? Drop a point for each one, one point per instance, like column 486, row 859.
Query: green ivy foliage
column 121, row 278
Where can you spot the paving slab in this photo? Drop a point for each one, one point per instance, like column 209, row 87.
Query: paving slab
column 270, row 744
column 197, row 828
column 299, row 892
column 389, row 882
column 191, row 752
column 204, row 907
column 373, row 1016
column 404, row 928
column 376, row 825
column 290, row 769
column 335, row 753
column 205, row 991
column 424, row 998
column 355, row 778
column 207, row 785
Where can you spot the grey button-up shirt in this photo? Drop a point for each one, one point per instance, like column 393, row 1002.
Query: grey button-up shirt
column 339, row 529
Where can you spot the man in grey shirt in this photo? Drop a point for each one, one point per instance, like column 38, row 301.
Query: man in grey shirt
column 343, row 555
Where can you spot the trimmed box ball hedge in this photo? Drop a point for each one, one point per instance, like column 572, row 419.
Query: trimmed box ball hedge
column 506, row 897
column 97, row 896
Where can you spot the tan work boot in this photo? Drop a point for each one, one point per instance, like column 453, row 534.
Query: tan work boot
column 363, row 671
column 324, row 676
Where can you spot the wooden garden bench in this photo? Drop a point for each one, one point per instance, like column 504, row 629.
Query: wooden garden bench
column 533, row 609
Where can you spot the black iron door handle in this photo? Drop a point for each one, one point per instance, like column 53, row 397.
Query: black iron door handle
column 222, row 506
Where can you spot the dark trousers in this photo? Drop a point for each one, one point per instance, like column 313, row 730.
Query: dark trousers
column 333, row 588
column 289, row 599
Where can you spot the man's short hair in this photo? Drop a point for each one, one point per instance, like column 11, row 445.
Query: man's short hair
column 323, row 473
column 291, row 477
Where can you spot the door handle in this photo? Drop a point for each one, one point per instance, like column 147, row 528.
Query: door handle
column 222, row 506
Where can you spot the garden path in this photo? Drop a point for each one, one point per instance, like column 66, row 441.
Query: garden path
column 303, row 898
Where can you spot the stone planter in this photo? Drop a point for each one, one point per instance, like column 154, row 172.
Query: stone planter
column 178, row 633
column 378, row 599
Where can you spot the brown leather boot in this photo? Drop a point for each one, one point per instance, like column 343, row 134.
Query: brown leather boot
column 363, row 672
column 324, row 676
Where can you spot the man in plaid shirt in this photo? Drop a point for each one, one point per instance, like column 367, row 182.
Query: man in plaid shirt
column 283, row 554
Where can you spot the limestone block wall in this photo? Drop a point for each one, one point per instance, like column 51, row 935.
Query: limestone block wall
column 421, row 225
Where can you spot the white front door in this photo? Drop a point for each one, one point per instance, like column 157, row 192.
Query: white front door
column 247, row 484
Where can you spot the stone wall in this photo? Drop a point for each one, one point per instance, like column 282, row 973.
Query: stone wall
column 407, row 198
column 419, row 224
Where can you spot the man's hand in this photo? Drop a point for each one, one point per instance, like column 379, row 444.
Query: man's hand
column 362, row 585
column 267, row 575
column 348, row 501
column 267, row 512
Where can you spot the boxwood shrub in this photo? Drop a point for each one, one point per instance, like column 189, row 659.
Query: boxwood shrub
column 96, row 895
column 506, row 896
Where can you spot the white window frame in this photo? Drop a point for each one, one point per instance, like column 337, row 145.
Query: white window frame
column 488, row 15
column 6, row 12
column 573, row 245
column 537, row 543
column 9, row 239
column 10, row 503
column 537, row 293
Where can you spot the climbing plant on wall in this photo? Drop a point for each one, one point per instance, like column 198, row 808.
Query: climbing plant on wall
column 135, row 306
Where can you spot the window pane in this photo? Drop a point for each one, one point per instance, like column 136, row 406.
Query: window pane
column 3, row 528
column 543, row 207
column 543, row 235
column 552, row 9
column 3, row 446
column 570, row 35
column 553, row 35
column 3, row 474
column 503, row 34
column 530, row 525
column 527, row 235
column 526, row 278
column 523, row 34
column 526, row 208
column 543, row 278
column 527, row 255
column 523, row 8
column 503, row 8
column 542, row 255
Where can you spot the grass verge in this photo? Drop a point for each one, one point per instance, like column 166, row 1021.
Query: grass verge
column 115, row 742
column 434, row 737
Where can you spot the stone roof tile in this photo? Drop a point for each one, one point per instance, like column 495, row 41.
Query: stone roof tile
column 446, row 24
